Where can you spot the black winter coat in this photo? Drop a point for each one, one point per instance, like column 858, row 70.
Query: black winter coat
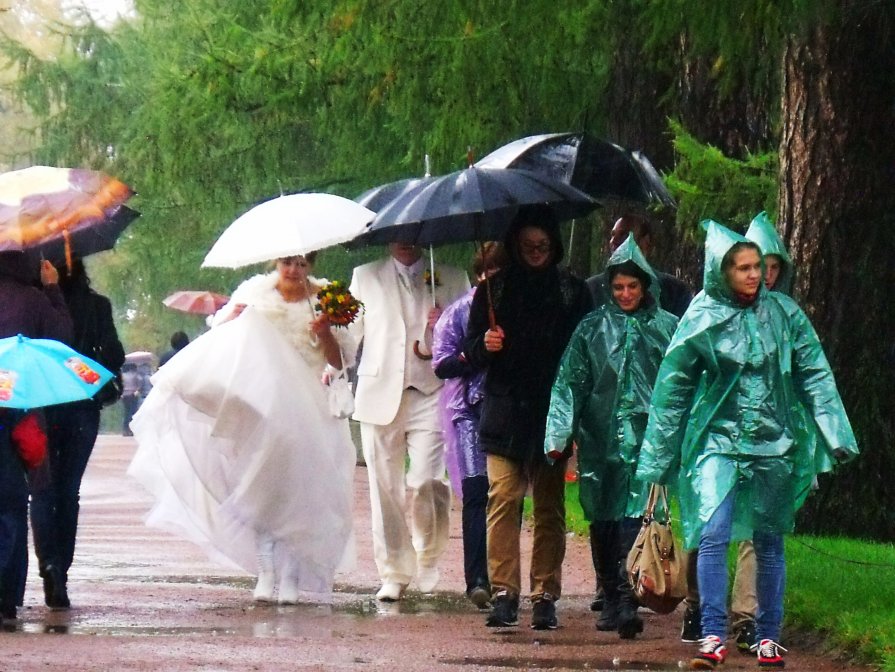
column 538, row 311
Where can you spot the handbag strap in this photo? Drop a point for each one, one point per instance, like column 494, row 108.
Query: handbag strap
column 656, row 492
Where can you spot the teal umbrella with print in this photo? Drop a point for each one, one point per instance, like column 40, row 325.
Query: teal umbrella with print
column 36, row 372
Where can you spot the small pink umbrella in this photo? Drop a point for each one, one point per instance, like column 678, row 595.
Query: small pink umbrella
column 196, row 302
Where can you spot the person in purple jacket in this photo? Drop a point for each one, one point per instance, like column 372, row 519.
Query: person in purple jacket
column 461, row 398
column 37, row 313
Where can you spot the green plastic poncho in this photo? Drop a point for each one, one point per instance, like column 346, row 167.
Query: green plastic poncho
column 726, row 406
column 600, row 398
column 761, row 231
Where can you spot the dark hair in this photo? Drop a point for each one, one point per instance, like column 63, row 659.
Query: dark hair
column 72, row 279
column 629, row 268
column 540, row 217
column 492, row 255
column 727, row 259
column 179, row 340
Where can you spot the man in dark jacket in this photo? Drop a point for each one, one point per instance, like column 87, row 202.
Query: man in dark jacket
column 35, row 313
column 536, row 307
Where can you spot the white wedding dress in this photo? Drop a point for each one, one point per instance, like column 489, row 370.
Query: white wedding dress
column 237, row 445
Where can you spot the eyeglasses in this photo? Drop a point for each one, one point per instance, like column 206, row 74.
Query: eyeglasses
column 531, row 248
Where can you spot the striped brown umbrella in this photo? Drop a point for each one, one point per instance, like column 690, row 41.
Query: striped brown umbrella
column 59, row 212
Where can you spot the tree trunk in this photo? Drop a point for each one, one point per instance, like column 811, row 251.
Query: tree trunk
column 837, row 215
column 636, row 118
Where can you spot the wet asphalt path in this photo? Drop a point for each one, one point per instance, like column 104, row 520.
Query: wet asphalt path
column 144, row 600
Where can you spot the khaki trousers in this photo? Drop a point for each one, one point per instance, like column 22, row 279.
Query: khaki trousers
column 744, row 599
column 415, row 433
column 509, row 481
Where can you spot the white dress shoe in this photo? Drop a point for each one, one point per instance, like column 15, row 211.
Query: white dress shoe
column 289, row 592
column 390, row 592
column 265, row 587
column 427, row 578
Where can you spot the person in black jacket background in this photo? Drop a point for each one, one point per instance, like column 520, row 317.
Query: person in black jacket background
column 71, row 432
column 36, row 313
column 537, row 306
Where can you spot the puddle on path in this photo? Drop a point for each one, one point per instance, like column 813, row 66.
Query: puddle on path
column 248, row 620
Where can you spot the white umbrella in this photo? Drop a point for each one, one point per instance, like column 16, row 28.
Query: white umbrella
column 287, row 226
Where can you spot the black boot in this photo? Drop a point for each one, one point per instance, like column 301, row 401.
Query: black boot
column 55, row 588
column 629, row 623
column 604, row 546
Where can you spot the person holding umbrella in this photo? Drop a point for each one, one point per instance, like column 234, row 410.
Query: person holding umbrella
column 239, row 448
column 71, row 431
column 396, row 402
column 520, row 322
column 36, row 313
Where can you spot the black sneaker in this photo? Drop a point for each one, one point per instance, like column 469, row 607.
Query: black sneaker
column 745, row 637
column 504, row 611
column 543, row 614
column 691, row 629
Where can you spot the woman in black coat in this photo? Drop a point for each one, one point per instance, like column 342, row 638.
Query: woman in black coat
column 537, row 306
column 71, row 432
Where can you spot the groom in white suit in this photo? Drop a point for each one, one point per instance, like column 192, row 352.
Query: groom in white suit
column 397, row 405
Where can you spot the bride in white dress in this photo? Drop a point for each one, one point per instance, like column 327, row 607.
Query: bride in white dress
column 239, row 449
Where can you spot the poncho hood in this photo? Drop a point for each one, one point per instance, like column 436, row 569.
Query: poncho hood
column 629, row 251
column 761, row 231
column 718, row 241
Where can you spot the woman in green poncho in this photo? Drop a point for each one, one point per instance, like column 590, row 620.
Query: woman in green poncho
column 600, row 400
column 778, row 267
column 725, row 425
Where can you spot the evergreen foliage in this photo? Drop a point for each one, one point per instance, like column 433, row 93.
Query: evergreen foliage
column 207, row 107
column 710, row 185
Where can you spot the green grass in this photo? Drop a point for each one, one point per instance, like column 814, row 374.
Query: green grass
column 844, row 590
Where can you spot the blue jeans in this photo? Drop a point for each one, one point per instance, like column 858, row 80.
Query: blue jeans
column 712, row 575
column 13, row 518
column 55, row 491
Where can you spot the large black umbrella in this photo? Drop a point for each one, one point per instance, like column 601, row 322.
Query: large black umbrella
column 471, row 204
column 378, row 197
column 601, row 168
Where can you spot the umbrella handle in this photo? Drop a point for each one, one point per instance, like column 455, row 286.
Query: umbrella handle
column 492, row 319
column 419, row 353
column 66, row 236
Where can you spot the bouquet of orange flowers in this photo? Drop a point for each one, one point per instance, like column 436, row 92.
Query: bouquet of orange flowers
column 338, row 304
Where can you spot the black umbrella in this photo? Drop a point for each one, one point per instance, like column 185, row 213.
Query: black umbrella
column 85, row 241
column 602, row 169
column 471, row 204
column 378, row 197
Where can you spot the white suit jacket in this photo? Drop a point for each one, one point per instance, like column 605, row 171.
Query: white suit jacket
column 380, row 370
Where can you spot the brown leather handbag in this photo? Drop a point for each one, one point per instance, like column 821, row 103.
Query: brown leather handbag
column 657, row 569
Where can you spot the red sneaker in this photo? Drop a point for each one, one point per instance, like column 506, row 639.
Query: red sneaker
column 770, row 655
column 712, row 653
